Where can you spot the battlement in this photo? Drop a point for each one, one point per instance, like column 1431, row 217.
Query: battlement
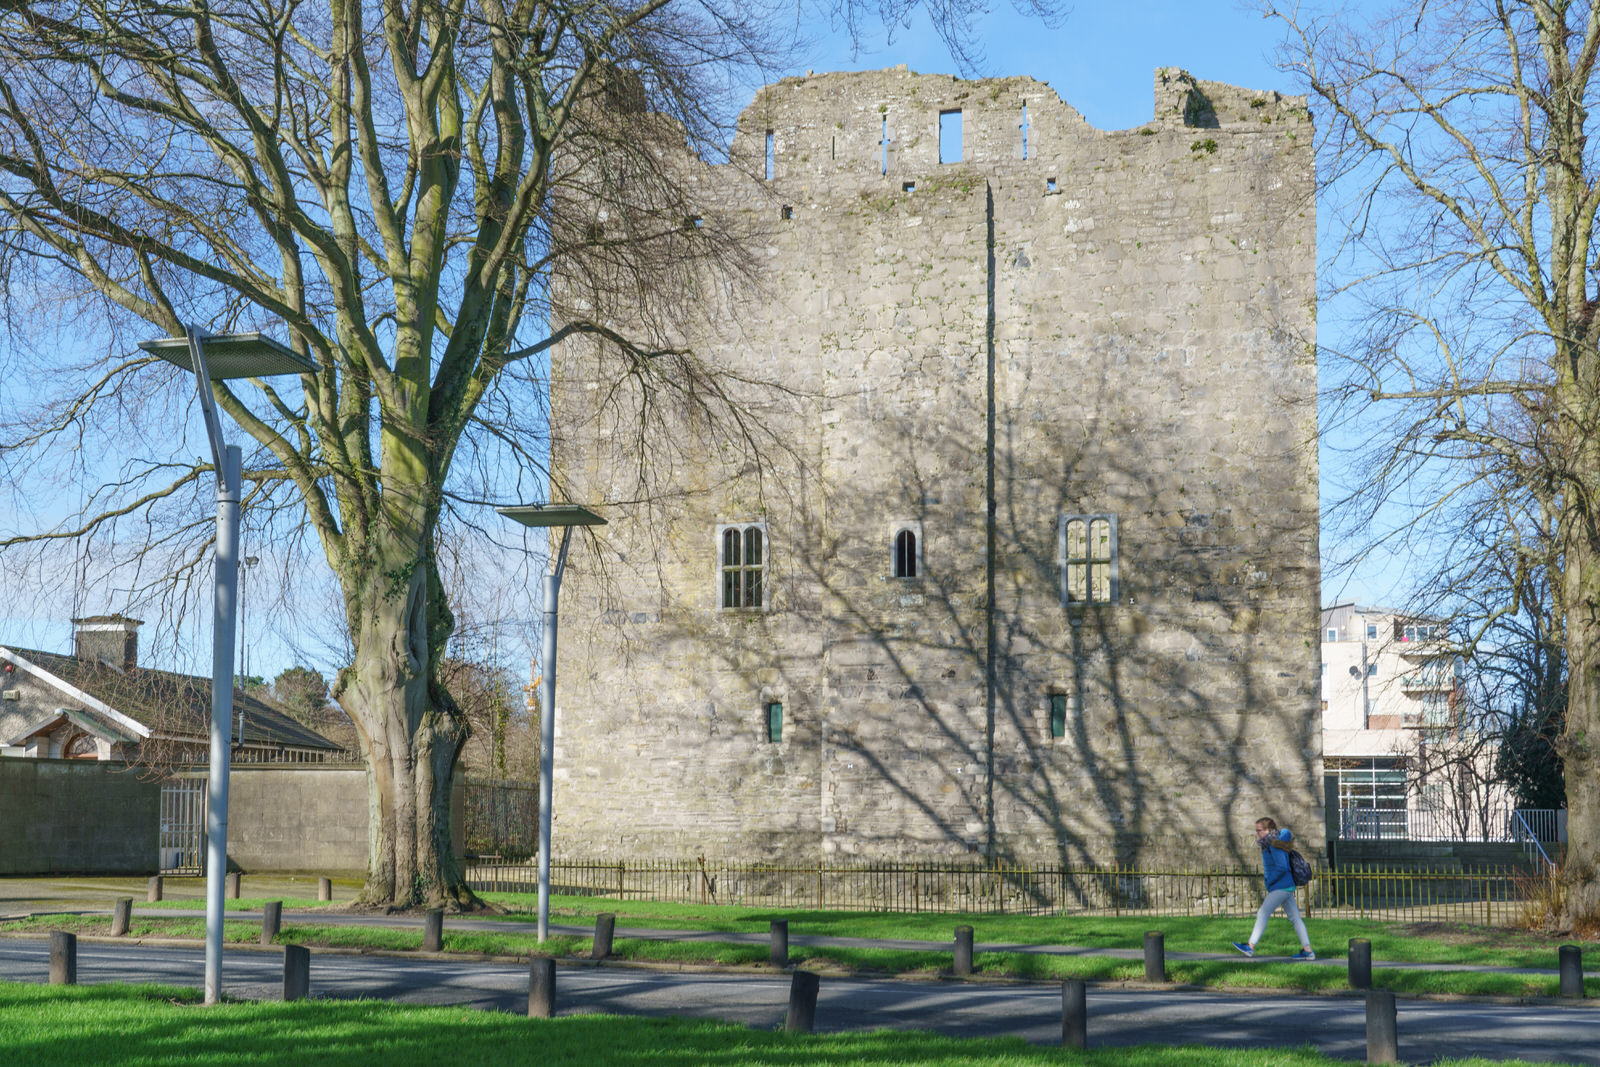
column 876, row 124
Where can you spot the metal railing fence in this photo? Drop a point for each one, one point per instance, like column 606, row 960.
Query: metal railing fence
column 1488, row 896
column 502, row 817
column 1420, row 823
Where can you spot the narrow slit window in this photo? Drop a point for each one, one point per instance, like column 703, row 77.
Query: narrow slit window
column 1049, row 185
column 1024, row 129
column 1058, row 715
column 786, row 213
column 774, row 722
column 908, row 187
column 771, row 155
column 1088, row 555
column 905, row 554
column 743, row 565
column 883, row 147
column 950, row 136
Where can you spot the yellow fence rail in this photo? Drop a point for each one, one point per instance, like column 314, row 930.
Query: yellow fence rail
column 1492, row 896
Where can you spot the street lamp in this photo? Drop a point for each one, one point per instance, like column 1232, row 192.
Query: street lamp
column 565, row 516
column 215, row 356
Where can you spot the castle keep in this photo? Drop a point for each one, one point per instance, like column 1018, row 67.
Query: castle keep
column 1027, row 569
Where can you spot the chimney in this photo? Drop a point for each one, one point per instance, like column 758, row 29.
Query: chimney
column 109, row 639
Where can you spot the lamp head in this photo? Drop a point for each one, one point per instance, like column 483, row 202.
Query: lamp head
column 234, row 355
column 540, row 515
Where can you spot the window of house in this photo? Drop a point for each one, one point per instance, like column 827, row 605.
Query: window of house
column 1372, row 631
column 905, row 549
column 1372, row 670
column 1058, row 715
column 742, row 559
column 1087, row 550
column 774, row 721
column 1421, row 633
column 1333, row 633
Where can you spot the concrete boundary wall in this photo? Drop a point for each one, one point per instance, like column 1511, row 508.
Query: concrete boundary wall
column 298, row 818
column 94, row 817
column 77, row 817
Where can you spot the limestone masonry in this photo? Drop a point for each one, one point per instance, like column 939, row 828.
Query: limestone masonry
column 1027, row 569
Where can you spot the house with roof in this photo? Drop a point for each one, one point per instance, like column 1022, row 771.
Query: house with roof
column 97, row 703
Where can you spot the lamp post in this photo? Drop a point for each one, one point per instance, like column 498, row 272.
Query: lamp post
column 217, row 356
column 565, row 516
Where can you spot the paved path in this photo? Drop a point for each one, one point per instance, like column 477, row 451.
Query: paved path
column 1429, row 1030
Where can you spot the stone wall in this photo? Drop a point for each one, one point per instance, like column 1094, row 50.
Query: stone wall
column 77, row 817
column 1066, row 321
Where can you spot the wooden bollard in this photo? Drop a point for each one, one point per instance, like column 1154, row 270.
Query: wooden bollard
column 778, row 956
column 324, row 888
column 963, row 955
column 605, row 928
column 1383, row 1043
column 1571, row 957
column 541, row 988
column 63, row 958
column 296, row 972
column 271, row 920
column 1074, row 1014
column 433, row 931
column 1155, row 956
column 121, row 916
column 233, row 885
column 1360, row 963
column 153, row 891
column 802, row 1016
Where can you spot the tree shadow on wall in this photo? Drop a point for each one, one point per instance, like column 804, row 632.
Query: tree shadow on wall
column 925, row 721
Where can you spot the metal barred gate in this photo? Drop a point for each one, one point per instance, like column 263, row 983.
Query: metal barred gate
column 183, row 824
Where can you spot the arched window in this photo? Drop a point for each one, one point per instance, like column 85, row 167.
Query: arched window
column 743, row 564
column 905, row 554
column 905, row 549
column 1088, row 553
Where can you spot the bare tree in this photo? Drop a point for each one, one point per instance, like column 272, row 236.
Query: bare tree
column 427, row 197
column 1456, row 163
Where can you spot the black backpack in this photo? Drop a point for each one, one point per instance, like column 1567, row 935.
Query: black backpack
column 1300, row 868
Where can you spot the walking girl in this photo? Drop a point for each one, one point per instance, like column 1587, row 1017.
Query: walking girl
column 1275, row 849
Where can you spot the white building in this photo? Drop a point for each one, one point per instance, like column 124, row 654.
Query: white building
column 1389, row 682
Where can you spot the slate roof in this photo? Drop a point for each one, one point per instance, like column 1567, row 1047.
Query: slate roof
column 177, row 705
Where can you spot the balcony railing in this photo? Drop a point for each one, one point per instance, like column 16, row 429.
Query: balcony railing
column 1428, row 681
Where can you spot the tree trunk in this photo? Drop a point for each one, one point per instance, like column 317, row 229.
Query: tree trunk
column 1581, row 872
column 411, row 735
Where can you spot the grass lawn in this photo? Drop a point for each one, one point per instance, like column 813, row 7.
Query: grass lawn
column 519, row 941
column 147, row 1026
column 1395, row 941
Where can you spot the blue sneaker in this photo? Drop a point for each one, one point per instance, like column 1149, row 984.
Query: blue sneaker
column 1304, row 954
column 1244, row 948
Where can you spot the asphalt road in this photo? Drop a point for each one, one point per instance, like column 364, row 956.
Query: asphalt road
column 1428, row 1030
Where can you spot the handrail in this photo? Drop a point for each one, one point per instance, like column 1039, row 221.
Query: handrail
column 1530, row 843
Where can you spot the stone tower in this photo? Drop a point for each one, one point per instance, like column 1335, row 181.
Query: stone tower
column 1007, row 546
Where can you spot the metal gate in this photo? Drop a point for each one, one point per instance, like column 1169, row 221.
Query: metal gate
column 183, row 824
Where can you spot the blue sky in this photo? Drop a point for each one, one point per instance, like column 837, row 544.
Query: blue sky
column 1100, row 59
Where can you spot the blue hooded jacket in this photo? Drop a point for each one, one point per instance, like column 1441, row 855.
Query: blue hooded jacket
column 1275, row 864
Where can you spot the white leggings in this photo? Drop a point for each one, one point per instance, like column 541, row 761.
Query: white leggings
column 1280, row 898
